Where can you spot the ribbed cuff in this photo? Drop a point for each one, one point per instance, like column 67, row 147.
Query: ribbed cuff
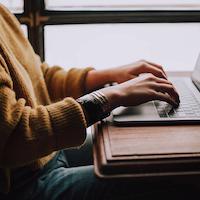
column 69, row 123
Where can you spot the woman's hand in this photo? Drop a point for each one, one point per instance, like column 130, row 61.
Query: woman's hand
column 130, row 71
column 96, row 79
column 140, row 90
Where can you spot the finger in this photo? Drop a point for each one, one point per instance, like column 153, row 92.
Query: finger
column 166, row 88
column 165, row 97
column 156, row 65
column 161, row 80
column 147, row 68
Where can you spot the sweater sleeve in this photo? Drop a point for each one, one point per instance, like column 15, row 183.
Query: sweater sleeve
column 31, row 133
column 61, row 83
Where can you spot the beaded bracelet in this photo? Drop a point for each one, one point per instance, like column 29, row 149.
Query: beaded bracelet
column 95, row 106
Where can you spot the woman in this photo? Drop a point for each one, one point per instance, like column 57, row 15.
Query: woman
column 43, row 110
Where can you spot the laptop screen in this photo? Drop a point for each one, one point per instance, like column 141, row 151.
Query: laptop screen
column 196, row 74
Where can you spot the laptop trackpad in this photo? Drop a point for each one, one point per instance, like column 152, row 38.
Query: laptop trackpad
column 145, row 111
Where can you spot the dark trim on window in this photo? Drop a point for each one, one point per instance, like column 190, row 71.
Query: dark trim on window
column 88, row 17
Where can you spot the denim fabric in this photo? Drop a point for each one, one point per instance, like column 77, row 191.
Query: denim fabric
column 58, row 181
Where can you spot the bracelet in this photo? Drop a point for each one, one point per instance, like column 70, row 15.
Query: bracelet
column 95, row 106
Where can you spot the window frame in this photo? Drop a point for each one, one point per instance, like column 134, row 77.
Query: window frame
column 36, row 17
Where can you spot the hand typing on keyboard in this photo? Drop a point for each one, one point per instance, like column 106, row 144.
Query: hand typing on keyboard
column 189, row 106
column 138, row 83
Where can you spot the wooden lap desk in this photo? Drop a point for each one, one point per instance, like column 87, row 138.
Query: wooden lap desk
column 146, row 152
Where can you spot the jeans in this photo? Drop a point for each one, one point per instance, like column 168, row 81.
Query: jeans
column 58, row 181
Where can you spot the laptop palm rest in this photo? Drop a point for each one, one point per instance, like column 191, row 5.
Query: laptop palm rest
column 146, row 111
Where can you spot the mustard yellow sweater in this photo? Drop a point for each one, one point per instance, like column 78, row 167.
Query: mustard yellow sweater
column 35, row 117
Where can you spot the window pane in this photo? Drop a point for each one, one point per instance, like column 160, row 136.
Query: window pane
column 16, row 6
column 123, row 4
column 175, row 46
column 25, row 30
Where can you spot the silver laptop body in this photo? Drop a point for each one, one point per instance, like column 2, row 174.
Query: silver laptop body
column 161, row 113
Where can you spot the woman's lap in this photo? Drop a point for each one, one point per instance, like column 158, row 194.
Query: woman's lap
column 80, row 183
column 57, row 181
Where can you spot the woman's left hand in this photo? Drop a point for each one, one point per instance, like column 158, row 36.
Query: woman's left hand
column 96, row 79
column 130, row 71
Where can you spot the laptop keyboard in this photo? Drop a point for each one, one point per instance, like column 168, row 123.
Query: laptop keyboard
column 189, row 106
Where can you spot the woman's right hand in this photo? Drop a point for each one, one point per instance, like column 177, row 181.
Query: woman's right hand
column 142, row 89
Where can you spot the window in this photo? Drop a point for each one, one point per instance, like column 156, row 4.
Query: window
column 24, row 28
column 122, row 4
column 102, row 43
column 175, row 46
column 16, row 6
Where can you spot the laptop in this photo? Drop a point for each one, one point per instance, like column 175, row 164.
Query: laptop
column 162, row 113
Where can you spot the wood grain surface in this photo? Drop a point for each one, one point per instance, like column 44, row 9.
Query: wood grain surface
column 154, row 140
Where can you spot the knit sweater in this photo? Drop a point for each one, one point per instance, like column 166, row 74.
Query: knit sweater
column 38, row 113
